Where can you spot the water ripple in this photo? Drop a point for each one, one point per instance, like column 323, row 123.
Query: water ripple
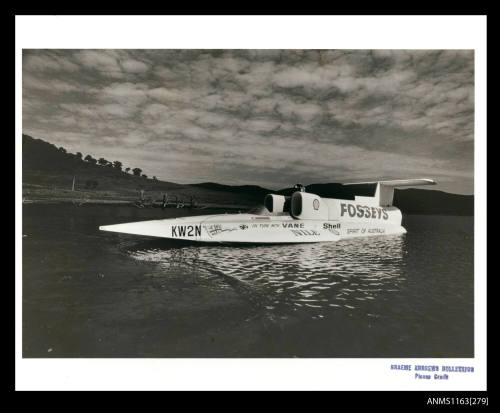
column 313, row 276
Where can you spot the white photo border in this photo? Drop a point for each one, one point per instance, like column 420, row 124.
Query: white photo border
column 256, row 32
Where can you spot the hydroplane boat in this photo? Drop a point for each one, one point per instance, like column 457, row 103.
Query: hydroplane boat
column 301, row 217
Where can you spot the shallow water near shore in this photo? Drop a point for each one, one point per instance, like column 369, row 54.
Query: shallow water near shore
column 88, row 293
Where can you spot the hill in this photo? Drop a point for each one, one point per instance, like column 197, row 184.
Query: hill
column 44, row 163
column 48, row 173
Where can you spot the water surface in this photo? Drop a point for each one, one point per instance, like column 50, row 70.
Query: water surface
column 88, row 293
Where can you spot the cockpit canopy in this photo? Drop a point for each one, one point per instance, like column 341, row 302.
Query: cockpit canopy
column 260, row 210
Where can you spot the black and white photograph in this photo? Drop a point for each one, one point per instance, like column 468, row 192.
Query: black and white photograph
column 250, row 203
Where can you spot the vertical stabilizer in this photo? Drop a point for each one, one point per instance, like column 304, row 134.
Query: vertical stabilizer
column 384, row 195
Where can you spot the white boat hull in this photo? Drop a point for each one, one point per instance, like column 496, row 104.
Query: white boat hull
column 248, row 228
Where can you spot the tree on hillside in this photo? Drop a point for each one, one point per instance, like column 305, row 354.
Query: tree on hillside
column 127, row 170
column 137, row 171
column 117, row 165
column 144, row 176
column 155, row 178
column 79, row 155
column 102, row 161
column 62, row 149
column 90, row 159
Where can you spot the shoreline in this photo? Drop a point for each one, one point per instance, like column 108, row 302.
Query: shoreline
column 194, row 198
column 132, row 203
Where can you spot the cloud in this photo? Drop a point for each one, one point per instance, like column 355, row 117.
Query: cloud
column 134, row 66
column 104, row 61
column 52, row 85
column 269, row 117
column 48, row 62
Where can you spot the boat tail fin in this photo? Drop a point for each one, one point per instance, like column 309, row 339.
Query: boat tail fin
column 384, row 194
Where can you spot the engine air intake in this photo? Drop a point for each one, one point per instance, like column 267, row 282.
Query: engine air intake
column 277, row 203
column 308, row 206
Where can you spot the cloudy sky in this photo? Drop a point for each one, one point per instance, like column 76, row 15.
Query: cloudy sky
column 266, row 117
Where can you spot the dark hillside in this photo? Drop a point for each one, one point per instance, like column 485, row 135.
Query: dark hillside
column 45, row 164
column 250, row 190
column 48, row 174
column 421, row 201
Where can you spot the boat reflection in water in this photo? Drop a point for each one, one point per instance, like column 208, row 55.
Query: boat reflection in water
column 313, row 279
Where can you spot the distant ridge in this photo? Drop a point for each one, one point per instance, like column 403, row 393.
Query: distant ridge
column 421, row 201
column 254, row 190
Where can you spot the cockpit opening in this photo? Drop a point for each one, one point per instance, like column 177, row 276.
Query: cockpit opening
column 259, row 210
column 262, row 210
